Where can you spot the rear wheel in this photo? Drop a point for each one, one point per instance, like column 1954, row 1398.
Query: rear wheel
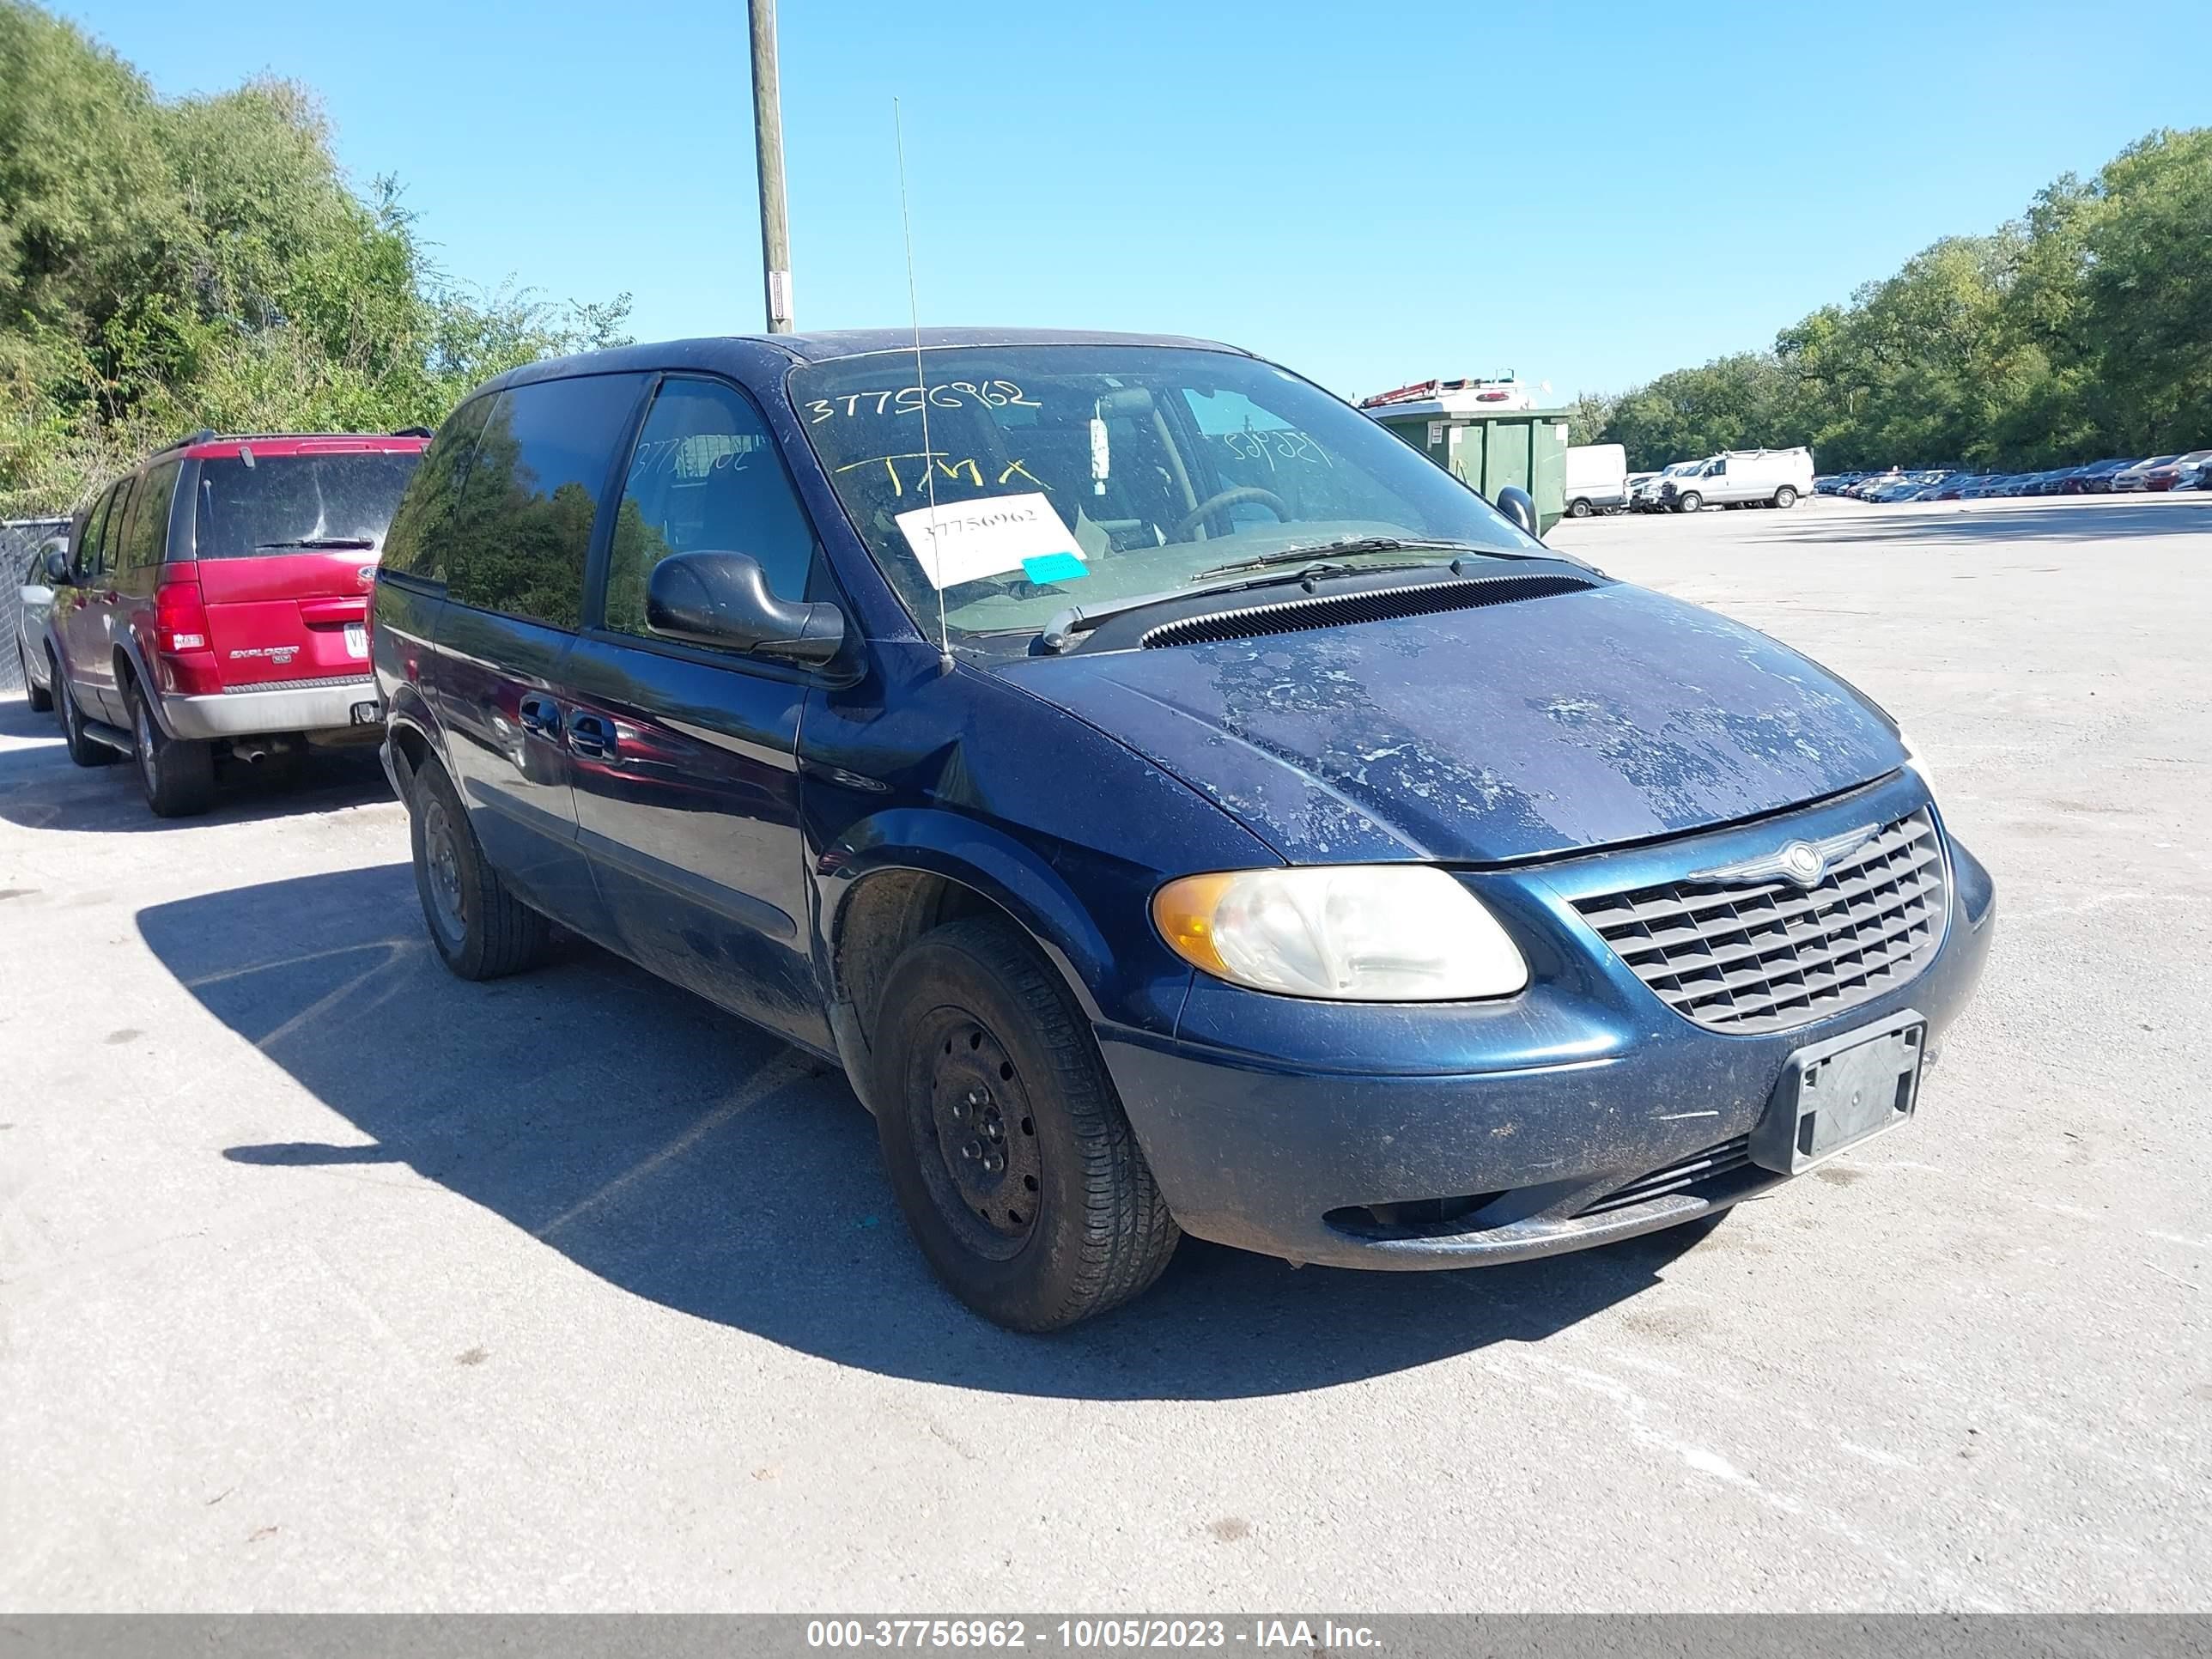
column 1008, row 1152
column 178, row 776
column 1688, row 501
column 81, row 748
column 39, row 696
column 1785, row 496
column 1579, row 508
column 481, row 929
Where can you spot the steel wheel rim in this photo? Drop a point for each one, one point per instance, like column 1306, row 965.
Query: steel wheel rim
column 441, row 866
column 974, row 1131
column 145, row 745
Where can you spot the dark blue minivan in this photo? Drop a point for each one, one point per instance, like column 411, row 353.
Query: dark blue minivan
column 1178, row 805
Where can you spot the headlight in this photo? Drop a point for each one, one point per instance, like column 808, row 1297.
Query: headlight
column 1350, row 934
column 1914, row 759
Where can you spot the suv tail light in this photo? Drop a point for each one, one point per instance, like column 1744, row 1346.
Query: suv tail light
column 179, row 619
column 180, row 633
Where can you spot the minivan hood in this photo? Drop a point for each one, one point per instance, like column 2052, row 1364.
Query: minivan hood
column 1513, row 731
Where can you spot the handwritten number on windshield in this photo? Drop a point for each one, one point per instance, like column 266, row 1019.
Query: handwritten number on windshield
column 907, row 399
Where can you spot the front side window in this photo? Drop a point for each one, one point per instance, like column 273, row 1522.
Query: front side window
column 532, row 498
column 704, row 476
column 421, row 540
column 1075, row 475
column 303, row 503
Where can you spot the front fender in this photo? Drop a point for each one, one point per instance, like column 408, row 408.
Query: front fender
column 1109, row 986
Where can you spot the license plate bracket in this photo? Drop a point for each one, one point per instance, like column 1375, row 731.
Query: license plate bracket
column 1835, row 1094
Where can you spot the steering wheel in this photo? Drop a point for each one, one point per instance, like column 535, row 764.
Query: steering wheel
column 1237, row 497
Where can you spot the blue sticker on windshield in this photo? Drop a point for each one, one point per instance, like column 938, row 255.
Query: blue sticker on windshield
column 1054, row 568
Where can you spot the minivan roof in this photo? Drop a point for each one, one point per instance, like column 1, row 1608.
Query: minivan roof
column 734, row 351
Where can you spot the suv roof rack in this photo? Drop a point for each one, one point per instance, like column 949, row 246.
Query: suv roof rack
column 414, row 431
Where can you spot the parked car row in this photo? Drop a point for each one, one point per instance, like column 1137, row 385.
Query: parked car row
column 2116, row 476
column 1144, row 817
column 1736, row 478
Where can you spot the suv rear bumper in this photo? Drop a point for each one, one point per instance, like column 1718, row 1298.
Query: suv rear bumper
column 264, row 713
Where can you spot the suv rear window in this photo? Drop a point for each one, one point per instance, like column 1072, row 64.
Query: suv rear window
column 299, row 503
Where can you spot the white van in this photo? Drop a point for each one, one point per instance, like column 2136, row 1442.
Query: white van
column 1742, row 477
column 1644, row 498
column 1597, row 479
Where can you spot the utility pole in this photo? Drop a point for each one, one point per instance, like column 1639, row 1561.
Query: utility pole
column 768, row 140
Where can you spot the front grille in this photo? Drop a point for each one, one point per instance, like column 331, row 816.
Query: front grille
column 1768, row 955
column 1684, row 1176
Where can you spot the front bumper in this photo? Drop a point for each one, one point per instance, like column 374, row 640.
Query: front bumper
column 255, row 714
column 1280, row 1127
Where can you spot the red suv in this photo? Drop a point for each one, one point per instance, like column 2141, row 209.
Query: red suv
column 215, row 606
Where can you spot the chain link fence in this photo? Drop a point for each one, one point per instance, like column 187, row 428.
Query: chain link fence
column 20, row 542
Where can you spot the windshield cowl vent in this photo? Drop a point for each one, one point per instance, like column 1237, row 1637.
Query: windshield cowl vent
column 1299, row 615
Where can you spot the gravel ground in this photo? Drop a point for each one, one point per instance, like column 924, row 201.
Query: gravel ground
column 327, row 1282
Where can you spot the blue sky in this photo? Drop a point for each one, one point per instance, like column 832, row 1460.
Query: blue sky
column 1589, row 194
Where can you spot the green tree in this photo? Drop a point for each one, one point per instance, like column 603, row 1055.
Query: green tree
column 204, row 262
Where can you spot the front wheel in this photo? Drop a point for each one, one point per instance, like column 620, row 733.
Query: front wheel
column 1578, row 509
column 1786, row 497
column 1007, row 1148
column 178, row 777
column 41, row 697
column 82, row 749
column 1688, row 501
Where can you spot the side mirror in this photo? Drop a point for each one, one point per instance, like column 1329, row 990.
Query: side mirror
column 722, row 600
column 55, row 566
column 1513, row 502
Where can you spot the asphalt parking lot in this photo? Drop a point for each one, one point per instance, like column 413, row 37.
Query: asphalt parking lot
column 328, row 1282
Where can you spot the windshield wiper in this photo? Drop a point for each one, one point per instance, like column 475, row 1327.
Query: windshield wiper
column 1060, row 633
column 317, row 544
column 1351, row 544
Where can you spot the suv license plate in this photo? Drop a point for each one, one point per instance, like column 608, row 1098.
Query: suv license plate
column 357, row 641
column 1835, row 1094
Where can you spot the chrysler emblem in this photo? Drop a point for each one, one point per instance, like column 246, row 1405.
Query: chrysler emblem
column 1804, row 862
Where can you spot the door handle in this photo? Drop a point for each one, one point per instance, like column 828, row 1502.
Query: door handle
column 593, row 736
column 540, row 717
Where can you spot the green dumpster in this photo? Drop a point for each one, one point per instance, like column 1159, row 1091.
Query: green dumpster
column 1486, row 432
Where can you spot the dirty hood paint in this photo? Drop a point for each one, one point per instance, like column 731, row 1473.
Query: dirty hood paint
column 1545, row 727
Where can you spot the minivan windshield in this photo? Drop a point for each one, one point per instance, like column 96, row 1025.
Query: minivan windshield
column 299, row 503
column 1090, row 475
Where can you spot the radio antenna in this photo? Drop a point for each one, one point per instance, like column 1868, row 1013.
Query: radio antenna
column 921, row 382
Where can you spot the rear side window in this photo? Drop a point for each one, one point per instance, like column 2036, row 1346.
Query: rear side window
column 704, row 476
column 531, row 496
column 147, row 526
column 278, row 504
column 421, row 542
column 98, row 553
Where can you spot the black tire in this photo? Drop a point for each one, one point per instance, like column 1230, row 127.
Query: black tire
column 1786, row 497
column 82, row 749
column 976, row 1037
column 1579, row 508
column 482, row 930
column 1688, row 501
column 39, row 696
column 178, row 776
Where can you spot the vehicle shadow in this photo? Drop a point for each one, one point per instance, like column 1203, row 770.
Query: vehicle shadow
column 40, row 788
column 687, row 1158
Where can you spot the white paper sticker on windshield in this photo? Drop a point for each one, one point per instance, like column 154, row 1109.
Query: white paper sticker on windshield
column 965, row 541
